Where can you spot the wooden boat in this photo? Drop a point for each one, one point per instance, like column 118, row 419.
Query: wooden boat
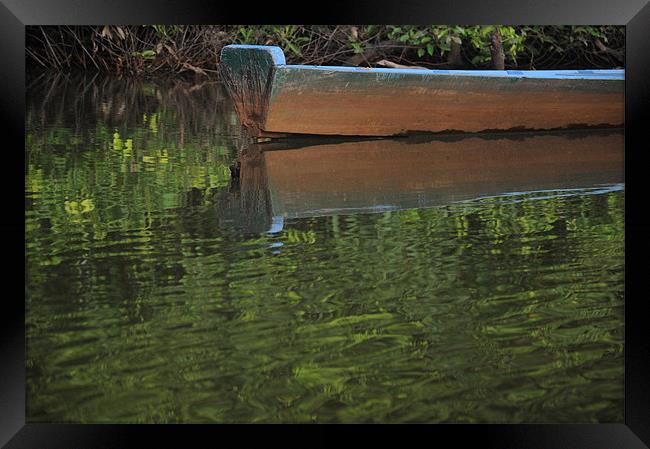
column 272, row 98
column 280, row 181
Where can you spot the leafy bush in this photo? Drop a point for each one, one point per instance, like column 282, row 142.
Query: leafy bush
column 195, row 49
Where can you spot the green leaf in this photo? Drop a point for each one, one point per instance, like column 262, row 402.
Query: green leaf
column 421, row 52
column 293, row 48
column 487, row 30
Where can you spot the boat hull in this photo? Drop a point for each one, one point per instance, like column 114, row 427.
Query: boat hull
column 289, row 99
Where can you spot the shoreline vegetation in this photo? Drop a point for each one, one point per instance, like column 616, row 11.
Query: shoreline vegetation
column 193, row 50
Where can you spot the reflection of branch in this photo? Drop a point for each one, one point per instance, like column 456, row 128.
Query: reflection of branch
column 78, row 102
column 53, row 85
column 196, row 87
column 182, row 86
column 86, row 87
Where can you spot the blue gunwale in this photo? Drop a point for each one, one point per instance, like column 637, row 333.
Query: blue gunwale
column 610, row 74
column 277, row 56
column 279, row 60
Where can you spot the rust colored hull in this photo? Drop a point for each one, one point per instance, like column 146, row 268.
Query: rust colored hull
column 272, row 97
column 361, row 104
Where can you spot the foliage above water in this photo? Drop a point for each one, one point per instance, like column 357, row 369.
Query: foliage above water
column 195, row 49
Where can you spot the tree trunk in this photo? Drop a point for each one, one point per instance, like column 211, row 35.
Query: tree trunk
column 498, row 57
column 454, row 59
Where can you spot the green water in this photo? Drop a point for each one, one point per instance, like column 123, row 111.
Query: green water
column 144, row 305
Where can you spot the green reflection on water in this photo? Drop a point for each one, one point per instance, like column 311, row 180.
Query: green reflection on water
column 143, row 307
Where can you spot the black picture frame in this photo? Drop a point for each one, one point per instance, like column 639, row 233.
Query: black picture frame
column 634, row 14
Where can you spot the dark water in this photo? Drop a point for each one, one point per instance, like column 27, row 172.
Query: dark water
column 160, row 291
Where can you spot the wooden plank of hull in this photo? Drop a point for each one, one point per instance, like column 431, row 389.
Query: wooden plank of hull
column 334, row 102
column 271, row 97
column 375, row 175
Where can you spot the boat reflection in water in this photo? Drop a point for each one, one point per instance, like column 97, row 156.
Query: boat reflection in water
column 294, row 179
